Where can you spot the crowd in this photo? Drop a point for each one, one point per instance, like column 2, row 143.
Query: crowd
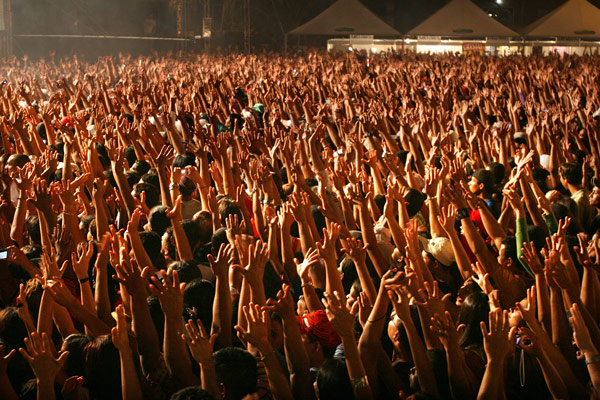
column 312, row 226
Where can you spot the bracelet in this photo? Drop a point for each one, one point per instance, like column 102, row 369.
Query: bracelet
column 376, row 320
column 84, row 280
column 263, row 358
column 360, row 382
column 307, row 284
column 592, row 360
column 173, row 186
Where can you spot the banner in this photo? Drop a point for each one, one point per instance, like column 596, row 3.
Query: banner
column 473, row 47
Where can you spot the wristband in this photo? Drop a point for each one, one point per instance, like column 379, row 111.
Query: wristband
column 173, row 186
column 592, row 360
column 84, row 280
column 360, row 383
column 307, row 284
column 462, row 213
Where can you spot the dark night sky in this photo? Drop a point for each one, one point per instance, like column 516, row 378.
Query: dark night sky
column 270, row 18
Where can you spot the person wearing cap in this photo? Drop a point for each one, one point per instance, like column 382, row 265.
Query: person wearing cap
column 520, row 139
column 189, row 205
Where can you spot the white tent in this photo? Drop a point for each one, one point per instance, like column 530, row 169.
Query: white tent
column 574, row 19
column 346, row 17
column 461, row 19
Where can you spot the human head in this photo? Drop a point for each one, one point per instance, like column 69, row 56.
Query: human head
column 152, row 196
column 158, row 220
column 570, row 174
column 474, row 309
column 192, row 393
column 152, row 244
column 102, row 374
column 198, row 297
column 236, row 372
column 333, row 381
column 75, row 344
column 481, row 181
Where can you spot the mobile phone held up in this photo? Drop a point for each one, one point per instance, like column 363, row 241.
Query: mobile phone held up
column 3, row 254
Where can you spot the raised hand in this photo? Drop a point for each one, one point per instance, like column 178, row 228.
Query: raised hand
column 340, row 318
column 257, row 256
column 447, row 218
column 4, row 359
column 258, row 328
column 128, row 274
column 199, row 343
column 303, row 268
column 581, row 334
column 531, row 258
column 38, row 354
column 327, row 248
column 497, row 341
column 284, row 305
column 175, row 212
column 355, row 249
column 443, row 326
column 169, row 292
column 120, row 333
column 81, row 261
column 220, row 265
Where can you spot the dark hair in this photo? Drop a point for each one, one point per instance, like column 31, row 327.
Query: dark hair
column 380, row 202
column 183, row 160
column 510, row 248
column 18, row 160
column 474, row 309
column 333, row 381
column 414, row 202
column 192, row 393
column 318, row 217
column 102, row 374
column 32, row 223
column 171, row 249
column 498, row 172
column 133, row 177
column 12, row 329
column 141, row 167
column 236, row 370
column 130, row 155
column 32, row 251
column 75, row 344
column 539, row 176
column 192, row 232
column 571, row 172
column 159, row 222
column 187, row 270
column 152, row 194
column 151, row 242
column 205, row 223
column 219, row 237
column 151, row 177
column 198, row 297
column 228, row 207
